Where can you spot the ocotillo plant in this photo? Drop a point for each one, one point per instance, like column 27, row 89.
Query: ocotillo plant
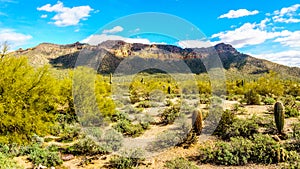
column 279, row 116
column 197, row 122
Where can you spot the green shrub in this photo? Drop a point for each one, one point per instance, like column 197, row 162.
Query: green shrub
column 292, row 107
column 226, row 120
column 240, row 127
column 111, row 140
column 170, row 114
column 129, row 129
column 291, row 112
column 269, row 101
column 128, row 159
column 86, row 146
column 180, row 163
column 260, row 149
column 69, row 134
column 252, row 97
column 179, row 135
column 45, row 157
column 7, row 163
column 231, row 126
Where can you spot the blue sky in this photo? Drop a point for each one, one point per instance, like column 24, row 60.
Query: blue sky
column 264, row 29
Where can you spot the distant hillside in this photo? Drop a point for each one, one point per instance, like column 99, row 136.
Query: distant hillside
column 65, row 56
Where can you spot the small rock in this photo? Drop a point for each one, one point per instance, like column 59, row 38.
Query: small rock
column 67, row 157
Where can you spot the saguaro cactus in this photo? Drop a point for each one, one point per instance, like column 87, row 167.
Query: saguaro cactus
column 279, row 116
column 110, row 78
column 197, row 122
column 169, row 90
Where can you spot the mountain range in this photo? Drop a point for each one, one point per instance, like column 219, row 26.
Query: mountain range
column 114, row 52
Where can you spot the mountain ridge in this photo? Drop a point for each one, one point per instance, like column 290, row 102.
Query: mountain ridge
column 65, row 56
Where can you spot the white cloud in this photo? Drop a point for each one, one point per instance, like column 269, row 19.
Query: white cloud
column 248, row 34
column 292, row 40
column 238, row 13
column 289, row 57
column 288, row 10
column 97, row 39
column 195, row 44
column 114, row 30
column 13, row 38
column 263, row 23
column 44, row 16
column 287, row 15
column 66, row 16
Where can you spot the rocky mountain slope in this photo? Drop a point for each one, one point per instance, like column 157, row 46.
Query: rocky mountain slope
column 113, row 52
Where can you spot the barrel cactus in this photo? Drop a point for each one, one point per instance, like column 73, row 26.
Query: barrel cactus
column 279, row 116
column 197, row 122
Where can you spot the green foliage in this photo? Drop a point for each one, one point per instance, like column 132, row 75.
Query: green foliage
column 128, row 159
column 252, row 97
column 86, row 146
column 69, row 133
column 7, row 163
column 230, row 126
column 128, row 128
column 142, row 90
column 91, row 97
column 44, row 157
column 279, row 116
column 180, row 163
column 269, row 101
column 170, row 114
column 179, row 135
column 260, row 149
column 225, row 122
column 292, row 106
column 27, row 100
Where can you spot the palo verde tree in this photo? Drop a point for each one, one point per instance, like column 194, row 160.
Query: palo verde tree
column 27, row 100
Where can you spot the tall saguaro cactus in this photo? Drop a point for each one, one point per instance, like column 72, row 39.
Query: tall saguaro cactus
column 279, row 116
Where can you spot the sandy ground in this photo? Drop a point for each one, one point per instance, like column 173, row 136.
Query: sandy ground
column 158, row 161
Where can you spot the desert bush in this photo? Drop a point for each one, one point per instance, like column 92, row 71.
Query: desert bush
column 252, row 97
column 291, row 112
column 69, row 133
column 180, row 163
column 292, row 107
column 180, row 135
column 128, row 128
column 111, row 140
column 204, row 98
column 128, row 159
column 231, row 126
column 226, row 120
column 7, row 163
column 44, row 157
column 86, row 146
column 260, row 149
column 269, row 100
column 144, row 104
column 170, row 114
